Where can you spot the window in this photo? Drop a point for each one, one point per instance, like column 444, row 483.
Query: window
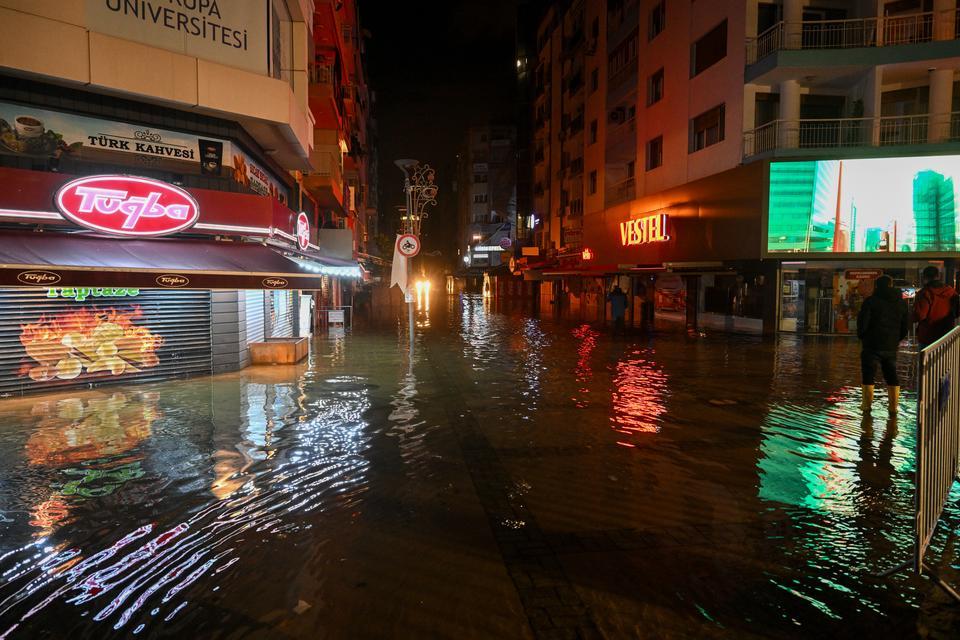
column 595, row 28
column 707, row 128
column 593, row 182
column 655, row 153
column 710, row 49
column 658, row 20
column 593, row 132
column 479, row 178
column 624, row 55
column 479, row 198
column 594, row 80
column 655, row 88
column 631, row 169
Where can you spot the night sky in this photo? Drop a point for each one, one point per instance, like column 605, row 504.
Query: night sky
column 437, row 66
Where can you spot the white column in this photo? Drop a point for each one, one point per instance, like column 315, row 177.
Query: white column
column 872, row 84
column 943, row 19
column 793, row 27
column 941, row 103
column 789, row 114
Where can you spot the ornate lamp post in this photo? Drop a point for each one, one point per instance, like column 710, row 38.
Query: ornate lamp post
column 420, row 187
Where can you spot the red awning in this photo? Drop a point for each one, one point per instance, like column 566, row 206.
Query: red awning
column 49, row 260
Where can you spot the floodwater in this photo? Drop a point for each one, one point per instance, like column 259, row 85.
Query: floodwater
column 519, row 478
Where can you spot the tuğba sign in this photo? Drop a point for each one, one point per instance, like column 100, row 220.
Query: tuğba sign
column 127, row 205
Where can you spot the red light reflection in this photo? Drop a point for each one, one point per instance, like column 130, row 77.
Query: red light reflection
column 639, row 397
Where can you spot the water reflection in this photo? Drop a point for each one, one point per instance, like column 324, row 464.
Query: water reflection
column 639, row 395
column 288, row 443
column 586, row 338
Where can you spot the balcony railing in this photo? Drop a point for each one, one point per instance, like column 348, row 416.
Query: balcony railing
column 621, row 191
column 856, row 32
column 841, row 133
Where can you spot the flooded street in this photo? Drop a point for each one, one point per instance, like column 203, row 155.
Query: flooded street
column 520, row 478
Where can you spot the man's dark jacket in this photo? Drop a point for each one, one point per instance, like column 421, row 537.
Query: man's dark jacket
column 883, row 321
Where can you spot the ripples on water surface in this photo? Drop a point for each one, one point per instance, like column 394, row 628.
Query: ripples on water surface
column 186, row 507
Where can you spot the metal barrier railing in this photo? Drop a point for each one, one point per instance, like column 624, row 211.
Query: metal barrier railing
column 938, row 437
column 937, row 446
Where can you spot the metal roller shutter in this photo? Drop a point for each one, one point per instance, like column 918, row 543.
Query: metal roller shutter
column 66, row 338
column 255, row 316
column 281, row 314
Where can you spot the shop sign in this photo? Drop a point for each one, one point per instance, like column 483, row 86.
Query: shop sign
column 172, row 281
column 38, row 278
column 82, row 293
column 275, row 283
column 31, row 132
column 303, row 231
column 127, row 205
column 506, row 243
column 231, row 32
column 862, row 274
column 645, row 230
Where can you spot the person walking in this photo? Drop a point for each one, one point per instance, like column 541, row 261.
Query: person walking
column 881, row 324
column 618, row 308
column 935, row 309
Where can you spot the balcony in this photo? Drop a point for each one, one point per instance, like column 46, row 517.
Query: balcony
column 792, row 137
column 854, row 33
column 621, row 191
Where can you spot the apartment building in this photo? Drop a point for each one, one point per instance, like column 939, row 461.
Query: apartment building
column 344, row 177
column 743, row 165
column 153, row 159
column 486, row 197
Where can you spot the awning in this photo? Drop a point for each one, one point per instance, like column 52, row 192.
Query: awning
column 57, row 260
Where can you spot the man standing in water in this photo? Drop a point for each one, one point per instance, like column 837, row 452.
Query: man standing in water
column 881, row 324
column 936, row 308
column 618, row 309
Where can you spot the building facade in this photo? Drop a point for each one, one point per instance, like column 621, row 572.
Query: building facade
column 743, row 165
column 156, row 219
column 486, row 198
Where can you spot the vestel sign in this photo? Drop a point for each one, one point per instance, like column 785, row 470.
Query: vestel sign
column 127, row 206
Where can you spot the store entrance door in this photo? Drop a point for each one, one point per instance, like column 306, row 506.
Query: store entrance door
column 792, row 296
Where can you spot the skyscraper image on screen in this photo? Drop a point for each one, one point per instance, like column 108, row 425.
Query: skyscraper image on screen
column 934, row 212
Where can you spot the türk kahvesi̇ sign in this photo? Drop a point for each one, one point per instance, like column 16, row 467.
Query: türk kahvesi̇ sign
column 231, row 32
column 32, row 132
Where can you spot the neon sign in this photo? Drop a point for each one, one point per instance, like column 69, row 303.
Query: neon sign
column 644, row 230
column 303, row 231
column 127, row 205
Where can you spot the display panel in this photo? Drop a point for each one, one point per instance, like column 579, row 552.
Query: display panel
column 876, row 205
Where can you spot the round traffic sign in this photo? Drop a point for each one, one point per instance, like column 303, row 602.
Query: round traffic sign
column 408, row 245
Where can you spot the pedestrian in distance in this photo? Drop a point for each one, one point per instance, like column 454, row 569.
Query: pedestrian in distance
column 882, row 324
column 935, row 309
column 618, row 308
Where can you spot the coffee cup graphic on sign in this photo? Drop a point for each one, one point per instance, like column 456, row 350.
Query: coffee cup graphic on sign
column 28, row 126
column 211, row 156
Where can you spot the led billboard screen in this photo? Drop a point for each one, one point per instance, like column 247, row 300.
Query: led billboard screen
column 877, row 205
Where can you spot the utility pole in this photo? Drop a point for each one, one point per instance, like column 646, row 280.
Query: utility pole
column 421, row 190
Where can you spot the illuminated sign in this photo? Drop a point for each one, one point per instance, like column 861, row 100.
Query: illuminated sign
column 488, row 248
column 644, row 230
column 303, row 231
column 82, row 293
column 127, row 205
column 587, row 254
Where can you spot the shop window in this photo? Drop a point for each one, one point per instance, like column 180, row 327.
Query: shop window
column 655, row 87
column 655, row 153
column 710, row 49
column 707, row 128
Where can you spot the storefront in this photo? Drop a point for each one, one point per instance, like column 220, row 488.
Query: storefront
column 110, row 278
column 687, row 258
column 835, row 226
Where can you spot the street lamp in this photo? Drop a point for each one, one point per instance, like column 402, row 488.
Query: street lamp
column 419, row 185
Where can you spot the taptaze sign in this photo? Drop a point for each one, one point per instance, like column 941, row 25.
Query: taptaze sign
column 645, row 230
column 127, row 206
column 231, row 32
